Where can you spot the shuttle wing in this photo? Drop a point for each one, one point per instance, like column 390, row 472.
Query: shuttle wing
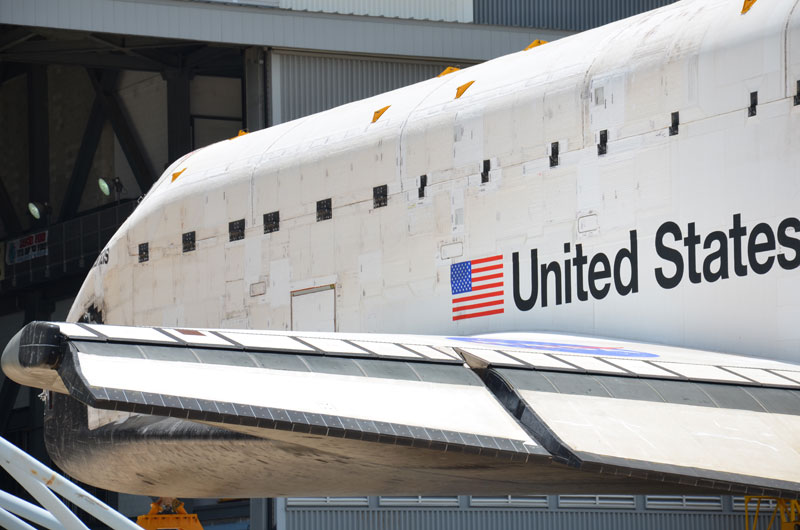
column 384, row 414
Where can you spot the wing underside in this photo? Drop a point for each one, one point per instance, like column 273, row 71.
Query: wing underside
column 190, row 412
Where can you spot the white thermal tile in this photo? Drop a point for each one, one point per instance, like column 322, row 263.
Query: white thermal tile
column 431, row 353
column 198, row 337
column 763, row 377
column 75, row 331
column 591, row 364
column 794, row 376
column 266, row 342
column 641, row 368
column 131, row 333
column 386, row 349
column 492, row 357
column 334, row 346
column 540, row 360
column 701, row 372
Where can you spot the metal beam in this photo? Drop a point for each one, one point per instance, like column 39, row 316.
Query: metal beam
column 90, row 60
column 7, row 213
column 179, row 130
column 9, row 71
column 128, row 139
column 38, row 139
column 8, row 396
column 255, row 89
column 91, row 138
column 14, row 37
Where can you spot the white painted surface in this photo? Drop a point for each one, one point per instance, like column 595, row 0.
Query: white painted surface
column 266, row 342
column 314, row 311
column 126, row 333
column 743, row 442
column 460, row 408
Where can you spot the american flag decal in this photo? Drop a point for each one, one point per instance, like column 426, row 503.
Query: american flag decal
column 477, row 287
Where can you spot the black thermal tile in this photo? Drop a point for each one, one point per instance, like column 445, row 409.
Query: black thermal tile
column 504, row 444
column 470, row 439
column 350, row 424
column 370, row 436
column 385, row 428
column 367, row 426
column 492, row 453
column 263, row 413
column 332, row 421
column 353, row 435
column 438, row 446
column 296, row 416
column 402, row 430
column 320, row 430
column 436, row 435
column 400, row 440
column 471, row 450
column 301, row 427
column 453, row 437
column 419, row 433
column 315, row 419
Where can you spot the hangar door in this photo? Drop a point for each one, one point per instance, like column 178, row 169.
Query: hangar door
column 314, row 309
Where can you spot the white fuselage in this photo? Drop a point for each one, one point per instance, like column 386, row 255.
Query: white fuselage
column 689, row 239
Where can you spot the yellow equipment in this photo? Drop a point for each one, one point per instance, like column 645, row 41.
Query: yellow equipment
column 788, row 509
column 167, row 513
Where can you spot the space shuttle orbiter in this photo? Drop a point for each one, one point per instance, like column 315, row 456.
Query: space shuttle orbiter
column 419, row 292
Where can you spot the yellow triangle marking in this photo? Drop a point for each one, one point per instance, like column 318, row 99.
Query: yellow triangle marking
column 379, row 113
column 463, row 88
column 538, row 42
column 747, row 5
column 448, row 70
column 242, row 132
column 177, row 174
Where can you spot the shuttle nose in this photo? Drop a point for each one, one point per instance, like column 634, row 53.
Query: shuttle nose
column 88, row 304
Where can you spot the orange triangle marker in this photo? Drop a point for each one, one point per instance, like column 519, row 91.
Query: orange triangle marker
column 379, row 113
column 463, row 88
column 747, row 5
column 177, row 174
column 448, row 70
column 534, row 44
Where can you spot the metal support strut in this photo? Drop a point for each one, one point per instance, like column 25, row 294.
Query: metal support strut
column 43, row 483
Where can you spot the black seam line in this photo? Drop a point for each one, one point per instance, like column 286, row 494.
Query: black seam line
column 673, row 474
column 625, row 371
column 366, row 351
column 180, row 340
column 526, row 364
column 97, row 335
column 416, row 355
column 659, row 367
column 752, row 382
column 314, row 349
column 223, row 337
column 575, row 367
column 792, row 384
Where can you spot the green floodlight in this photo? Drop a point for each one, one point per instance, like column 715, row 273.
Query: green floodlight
column 104, row 187
column 36, row 210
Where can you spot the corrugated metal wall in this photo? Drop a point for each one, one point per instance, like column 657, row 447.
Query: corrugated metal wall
column 311, row 83
column 507, row 519
column 571, row 15
column 447, row 10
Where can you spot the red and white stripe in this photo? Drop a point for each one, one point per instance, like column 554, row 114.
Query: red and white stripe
column 487, row 293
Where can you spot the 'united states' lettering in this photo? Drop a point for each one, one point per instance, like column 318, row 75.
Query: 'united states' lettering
column 477, row 287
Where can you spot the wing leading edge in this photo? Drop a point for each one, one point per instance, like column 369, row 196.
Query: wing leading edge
column 339, row 414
